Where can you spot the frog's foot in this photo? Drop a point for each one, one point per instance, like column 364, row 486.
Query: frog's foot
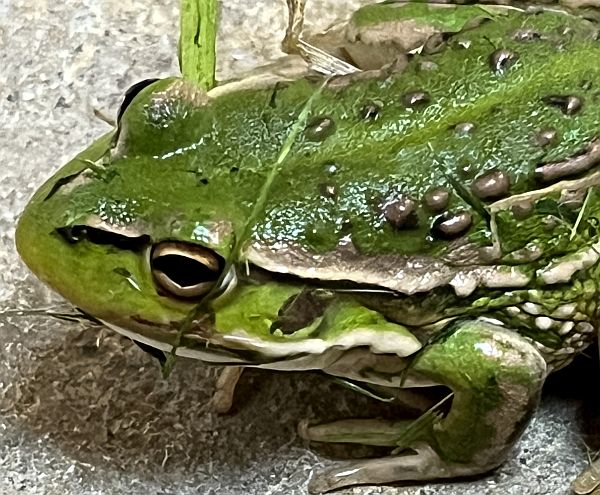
column 341, row 50
column 294, row 27
column 423, row 464
column 588, row 482
column 496, row 377
column 318, row 60
column 222, row 399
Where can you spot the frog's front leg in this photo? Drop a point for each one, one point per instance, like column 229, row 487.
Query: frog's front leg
column 496, row 377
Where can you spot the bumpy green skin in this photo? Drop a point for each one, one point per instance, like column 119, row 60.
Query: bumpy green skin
column 189, row 168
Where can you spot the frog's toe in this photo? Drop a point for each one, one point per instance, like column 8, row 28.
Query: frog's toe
column 423, row 464
column 588, row 482
column 222, row 399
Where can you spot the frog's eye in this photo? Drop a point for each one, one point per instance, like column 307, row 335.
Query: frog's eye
column 131, row 93
column 184, row 270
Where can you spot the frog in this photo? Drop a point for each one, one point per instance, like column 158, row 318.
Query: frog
column 428, row 223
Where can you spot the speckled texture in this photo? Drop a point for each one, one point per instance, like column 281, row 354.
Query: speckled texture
column 86, row 412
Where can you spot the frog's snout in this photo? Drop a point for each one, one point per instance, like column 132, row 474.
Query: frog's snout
column 184, row 270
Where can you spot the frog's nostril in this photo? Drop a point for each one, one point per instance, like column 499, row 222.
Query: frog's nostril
column 184, row 270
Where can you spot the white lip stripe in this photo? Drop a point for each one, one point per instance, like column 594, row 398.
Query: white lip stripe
column 181, row 351
column 562, row 270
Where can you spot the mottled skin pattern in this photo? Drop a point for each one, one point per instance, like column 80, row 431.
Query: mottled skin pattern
column 434, row 226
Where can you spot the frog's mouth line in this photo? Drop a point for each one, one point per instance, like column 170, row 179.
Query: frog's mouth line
column 304, row 355
column 214, row 356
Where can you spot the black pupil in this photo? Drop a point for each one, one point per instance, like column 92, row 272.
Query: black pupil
column 184, row 271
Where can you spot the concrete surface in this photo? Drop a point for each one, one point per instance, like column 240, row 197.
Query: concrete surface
column 83, row 412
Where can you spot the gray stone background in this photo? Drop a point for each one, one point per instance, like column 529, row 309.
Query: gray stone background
column 86, row 412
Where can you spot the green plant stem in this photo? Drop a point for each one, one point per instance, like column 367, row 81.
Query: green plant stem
column 197, row 42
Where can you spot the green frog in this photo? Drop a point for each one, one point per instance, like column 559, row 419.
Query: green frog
column 430, row 219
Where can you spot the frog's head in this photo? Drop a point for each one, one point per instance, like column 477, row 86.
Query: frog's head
column 139, row 228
